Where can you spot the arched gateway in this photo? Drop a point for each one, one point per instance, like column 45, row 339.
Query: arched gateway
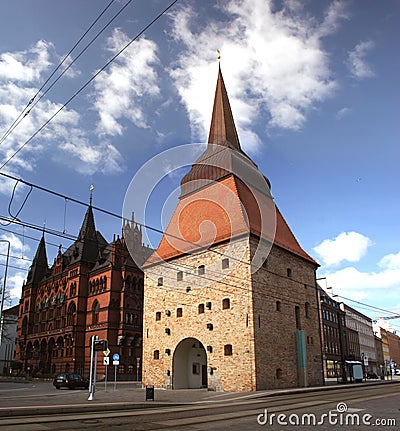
column 189, row 365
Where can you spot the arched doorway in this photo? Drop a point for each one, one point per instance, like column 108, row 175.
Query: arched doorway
column 189, row 365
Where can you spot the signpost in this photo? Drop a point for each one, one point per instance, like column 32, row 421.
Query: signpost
column 106, row 362
column 96, row 346
column 115, row 363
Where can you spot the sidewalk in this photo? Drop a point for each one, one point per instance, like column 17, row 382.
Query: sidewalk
column 128, row 397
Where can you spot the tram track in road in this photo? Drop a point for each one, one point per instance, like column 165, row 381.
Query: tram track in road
column 198, row 412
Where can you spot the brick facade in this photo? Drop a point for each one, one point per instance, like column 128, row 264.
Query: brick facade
column 93, row 288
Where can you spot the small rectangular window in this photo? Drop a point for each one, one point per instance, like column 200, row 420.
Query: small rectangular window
column 201, row 270
column 208, row 305
column 278, row 306
column 179, row 276
column 158, row 315
column 160, row 281
column 156, row 354
column 228, row 350
column 179, row 312
column 201, row 308
column 289, row 272
column 225, row 263
column 226, row 303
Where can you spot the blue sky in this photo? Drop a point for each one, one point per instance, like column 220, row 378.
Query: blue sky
column 312, row 87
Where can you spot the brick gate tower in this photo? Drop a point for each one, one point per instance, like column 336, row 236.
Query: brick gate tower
column 230, row 295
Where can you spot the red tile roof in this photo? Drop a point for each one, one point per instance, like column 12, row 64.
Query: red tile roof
column 223, row 196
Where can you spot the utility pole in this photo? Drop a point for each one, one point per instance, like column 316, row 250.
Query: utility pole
column 3, row 293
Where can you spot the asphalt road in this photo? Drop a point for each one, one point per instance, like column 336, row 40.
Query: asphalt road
column 211, row 411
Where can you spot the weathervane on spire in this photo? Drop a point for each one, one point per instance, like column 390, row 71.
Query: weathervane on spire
column 91, row 188
column 219, row 54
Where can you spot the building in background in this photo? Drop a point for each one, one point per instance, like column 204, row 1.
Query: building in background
column 8, row 335
column 334, row 337
column 362, row 325
column 93, row 288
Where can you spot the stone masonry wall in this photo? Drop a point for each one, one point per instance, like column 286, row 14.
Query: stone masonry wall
column 283, row 282
column 231, row 326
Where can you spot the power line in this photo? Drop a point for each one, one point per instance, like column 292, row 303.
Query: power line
column 74, row 238
column 24, row 112
column 88, row 82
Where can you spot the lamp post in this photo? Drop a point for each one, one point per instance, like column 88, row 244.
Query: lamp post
column 4, row 289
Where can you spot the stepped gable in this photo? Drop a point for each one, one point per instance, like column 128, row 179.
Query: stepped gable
column 225, row 190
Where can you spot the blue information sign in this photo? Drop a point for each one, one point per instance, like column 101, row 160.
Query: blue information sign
column 115, row 357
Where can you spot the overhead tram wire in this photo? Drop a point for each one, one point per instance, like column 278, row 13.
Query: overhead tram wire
column 88, row 82
column 74, row 238
column 25, row 111
column 60, row 195
column 246, row 290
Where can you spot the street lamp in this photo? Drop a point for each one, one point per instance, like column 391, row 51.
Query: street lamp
column 4, row 289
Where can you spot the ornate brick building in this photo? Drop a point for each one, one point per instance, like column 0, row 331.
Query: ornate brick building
column 93, row 288
column 230, row 297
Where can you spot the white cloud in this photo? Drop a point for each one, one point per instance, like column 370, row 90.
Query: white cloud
column 356, row 60
column 88, row 158
column 390, row 261
column 342, row 113
column 14, row 284
column 26, row 66
column 20, row 76
column 17, row 247
column 271, row 61
column 121, row 91
column 373, row 288
column 350, row 246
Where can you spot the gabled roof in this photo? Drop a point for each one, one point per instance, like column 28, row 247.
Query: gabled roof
column 223, row 196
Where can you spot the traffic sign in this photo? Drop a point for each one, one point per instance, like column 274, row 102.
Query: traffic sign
column 106, row 360
column 115, row 362
column 115, row 357
column 106, row 352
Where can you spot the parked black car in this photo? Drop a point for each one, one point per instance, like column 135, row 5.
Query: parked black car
column 71, row 381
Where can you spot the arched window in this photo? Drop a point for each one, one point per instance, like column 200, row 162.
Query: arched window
column 71, row 314
column 24, row 326
column 95, row 313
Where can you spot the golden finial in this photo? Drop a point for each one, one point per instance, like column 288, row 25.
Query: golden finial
column 219, row 55
column 91, row 188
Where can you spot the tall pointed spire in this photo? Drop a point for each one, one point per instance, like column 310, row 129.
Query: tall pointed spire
column 39, row 265
column 223, row 130
column 88, row 228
